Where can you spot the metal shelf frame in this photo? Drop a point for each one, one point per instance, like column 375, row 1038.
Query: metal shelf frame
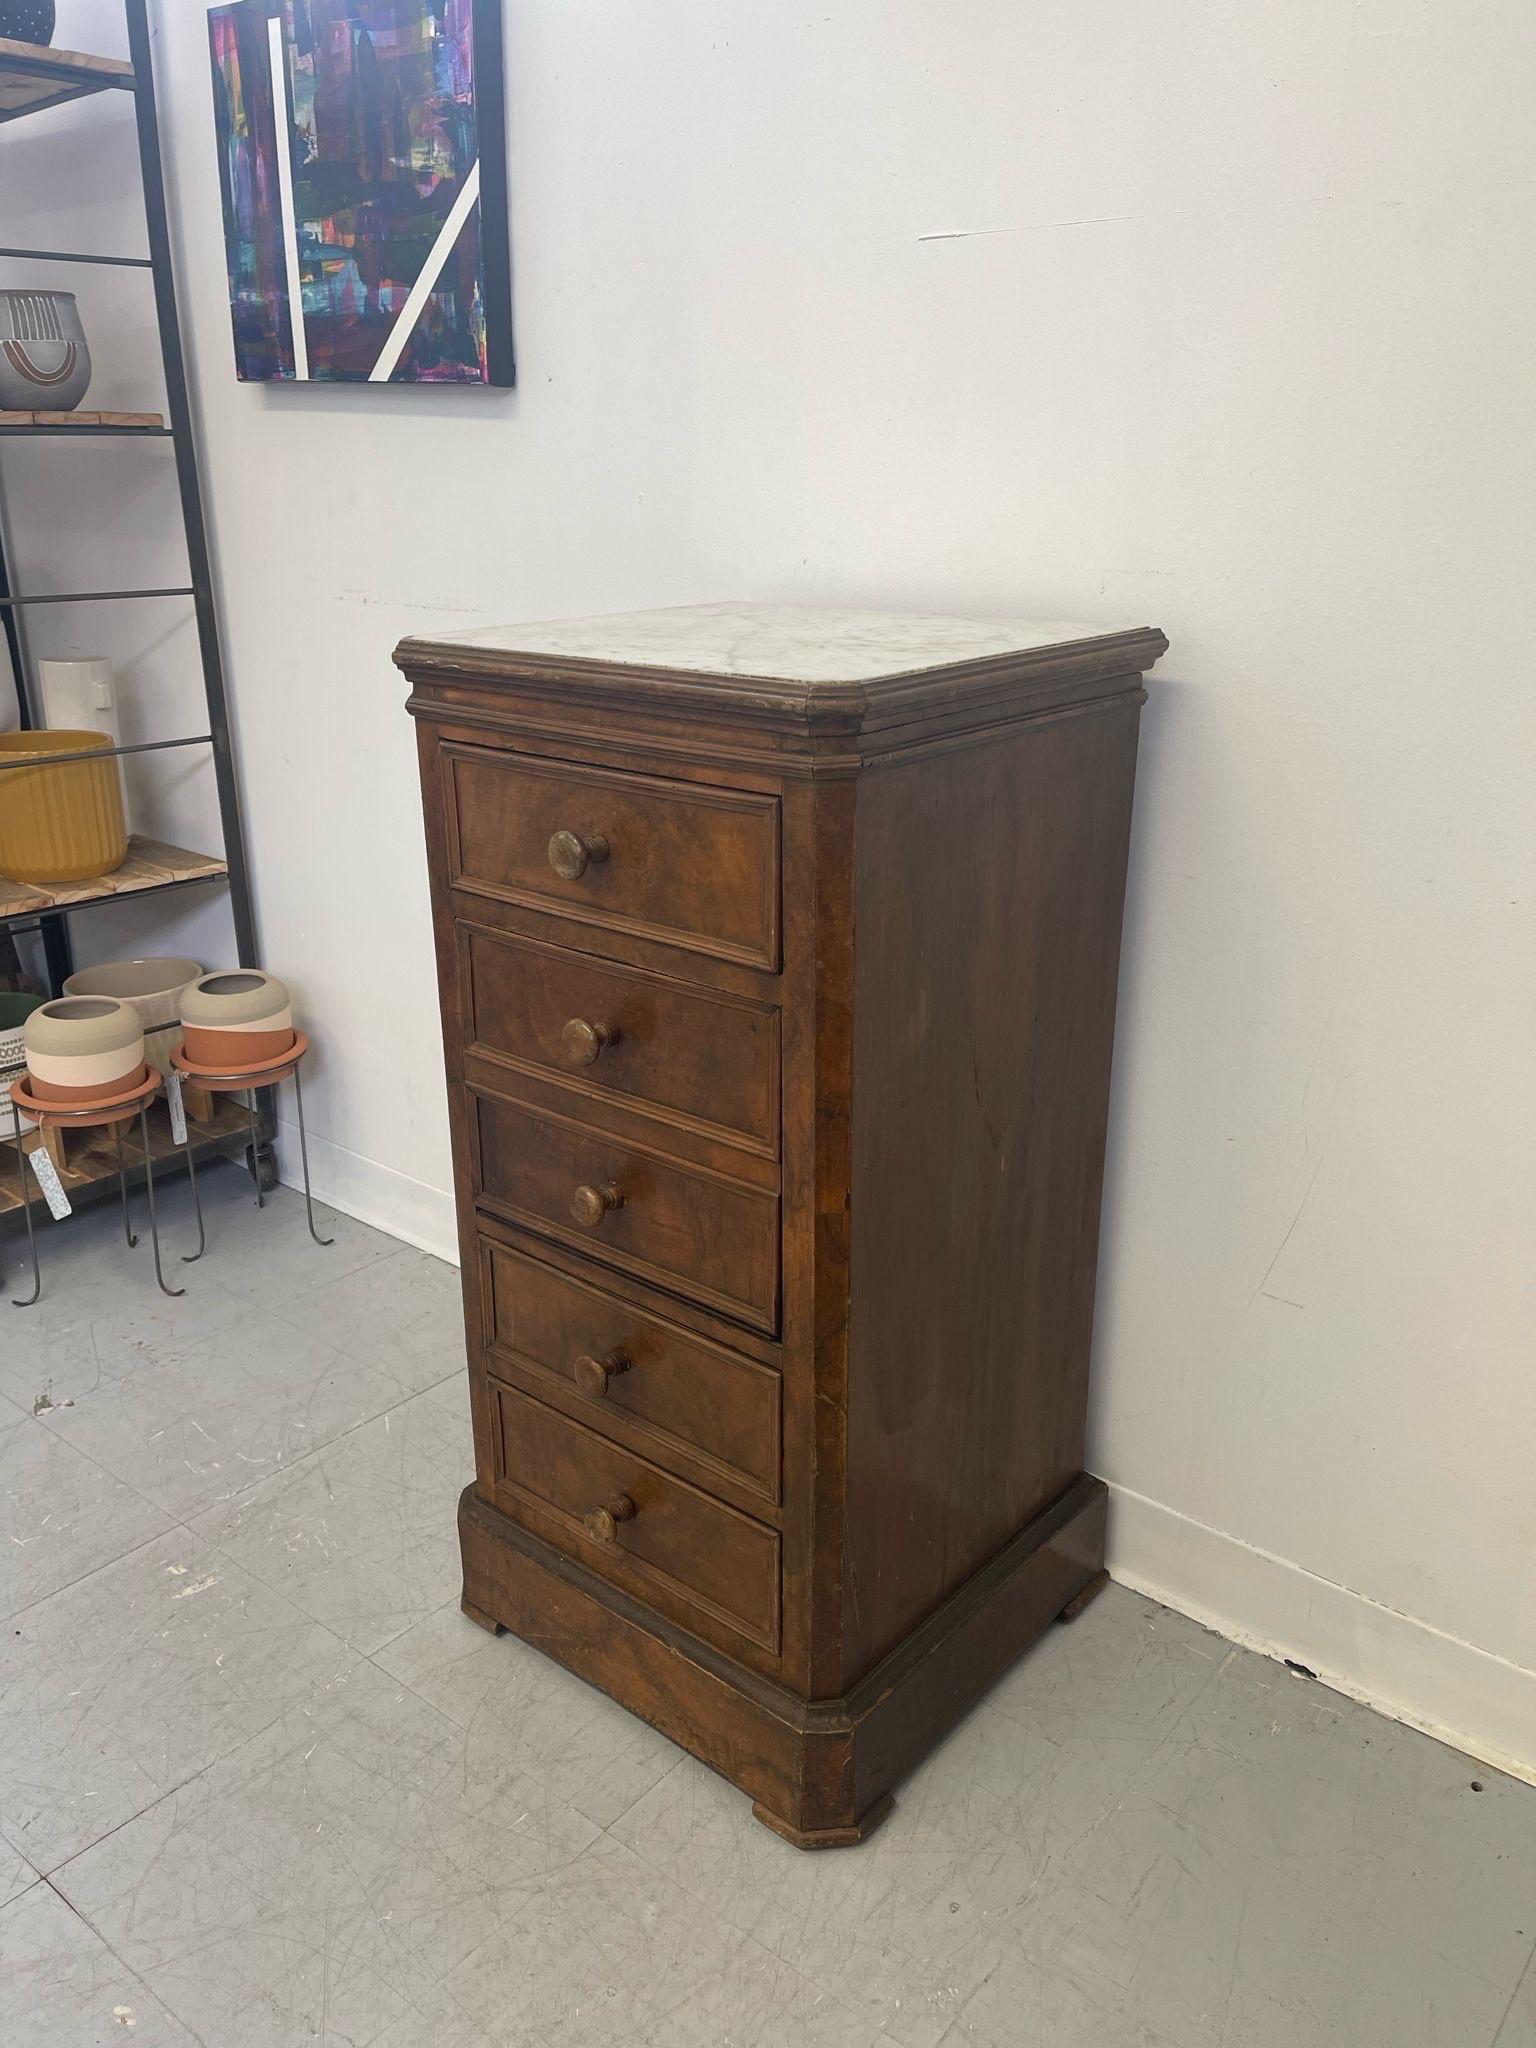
column 138, row 80
column 75, row 256
column 75, row 77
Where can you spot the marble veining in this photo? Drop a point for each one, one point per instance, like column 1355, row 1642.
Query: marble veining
column 779, row 643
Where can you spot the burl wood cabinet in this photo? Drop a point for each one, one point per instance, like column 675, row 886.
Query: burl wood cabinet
column 778, row 954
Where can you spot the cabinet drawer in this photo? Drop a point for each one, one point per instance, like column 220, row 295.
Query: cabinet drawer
column 698, row 1408
column 679, row 1227
column 674, row 861
column 688, row 1555
column 616, row 1031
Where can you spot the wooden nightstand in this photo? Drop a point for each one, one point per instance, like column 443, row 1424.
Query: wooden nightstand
column 778, row 952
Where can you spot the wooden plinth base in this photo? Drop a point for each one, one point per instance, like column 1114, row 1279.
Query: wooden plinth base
column 825, row 1838
column 481, row 1618
column 819, row 1772
column 1086, row 1598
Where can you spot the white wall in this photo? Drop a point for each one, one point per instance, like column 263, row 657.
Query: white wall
column 1213, row 317
column 100, row 515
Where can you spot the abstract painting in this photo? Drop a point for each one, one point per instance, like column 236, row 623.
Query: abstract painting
column 362, row 161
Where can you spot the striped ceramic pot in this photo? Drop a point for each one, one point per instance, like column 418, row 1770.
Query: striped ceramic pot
column 45, row 365
column 235, row 1019
column 81, row 1048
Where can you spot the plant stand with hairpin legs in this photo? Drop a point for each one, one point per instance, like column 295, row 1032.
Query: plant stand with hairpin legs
column 122, row 1186
column 248, row 1081
column 26, row 1210
column 97, row 1116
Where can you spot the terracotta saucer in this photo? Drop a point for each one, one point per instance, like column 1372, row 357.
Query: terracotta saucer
column 264, row 1070
column 125, row 1101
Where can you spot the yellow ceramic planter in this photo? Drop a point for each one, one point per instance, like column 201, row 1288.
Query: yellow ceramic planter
column 62, row 823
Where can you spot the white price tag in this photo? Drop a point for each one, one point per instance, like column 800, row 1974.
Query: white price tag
column 177, row 1107
column 48, row 1180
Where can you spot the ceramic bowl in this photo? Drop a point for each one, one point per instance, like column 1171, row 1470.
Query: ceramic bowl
column 153, row 987
column 235, row 1018
column 82, row 1047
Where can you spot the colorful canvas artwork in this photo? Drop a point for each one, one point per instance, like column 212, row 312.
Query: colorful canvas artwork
column 363, row 168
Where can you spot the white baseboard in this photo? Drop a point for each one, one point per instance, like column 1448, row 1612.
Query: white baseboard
column 390, row 1201
column 1461, row 1695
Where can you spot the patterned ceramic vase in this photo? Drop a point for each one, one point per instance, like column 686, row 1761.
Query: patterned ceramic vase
column 45, row 365
column 15, row 1009
column 236, row 1019
column 83, row 1047
column 27, row 21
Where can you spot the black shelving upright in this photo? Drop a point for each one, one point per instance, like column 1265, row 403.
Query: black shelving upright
column 23, row 67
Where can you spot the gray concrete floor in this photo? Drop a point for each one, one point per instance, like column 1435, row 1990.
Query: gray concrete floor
column 262, row 1785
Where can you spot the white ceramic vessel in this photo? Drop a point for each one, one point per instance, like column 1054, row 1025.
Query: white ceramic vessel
column 153, row 987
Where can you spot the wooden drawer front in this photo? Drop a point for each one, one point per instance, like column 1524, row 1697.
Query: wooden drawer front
column 686, row 1554
column 679, row 1227
column 689, row 865
column 615, row 1030
column 688, row 1399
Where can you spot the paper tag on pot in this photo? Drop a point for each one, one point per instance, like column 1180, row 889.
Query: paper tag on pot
column 48, row 1180
column 177, row 1107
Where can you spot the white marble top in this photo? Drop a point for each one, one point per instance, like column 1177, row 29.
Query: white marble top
column 772, row 642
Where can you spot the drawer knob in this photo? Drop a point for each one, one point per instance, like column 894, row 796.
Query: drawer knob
column 582, row 1042
column 590, row 1205
column 602, row 1523
column 593, row 1374
column 572, row 853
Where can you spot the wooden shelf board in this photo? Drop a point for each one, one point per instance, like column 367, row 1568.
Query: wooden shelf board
column 24, row 88
column 91, row 1156
column 88, row 422
column 151, row 864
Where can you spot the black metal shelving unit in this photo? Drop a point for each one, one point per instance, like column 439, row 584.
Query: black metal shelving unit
column 32, row 79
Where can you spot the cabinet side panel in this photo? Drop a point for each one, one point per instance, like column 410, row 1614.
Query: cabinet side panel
column 990, row 886
column 439, row 827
